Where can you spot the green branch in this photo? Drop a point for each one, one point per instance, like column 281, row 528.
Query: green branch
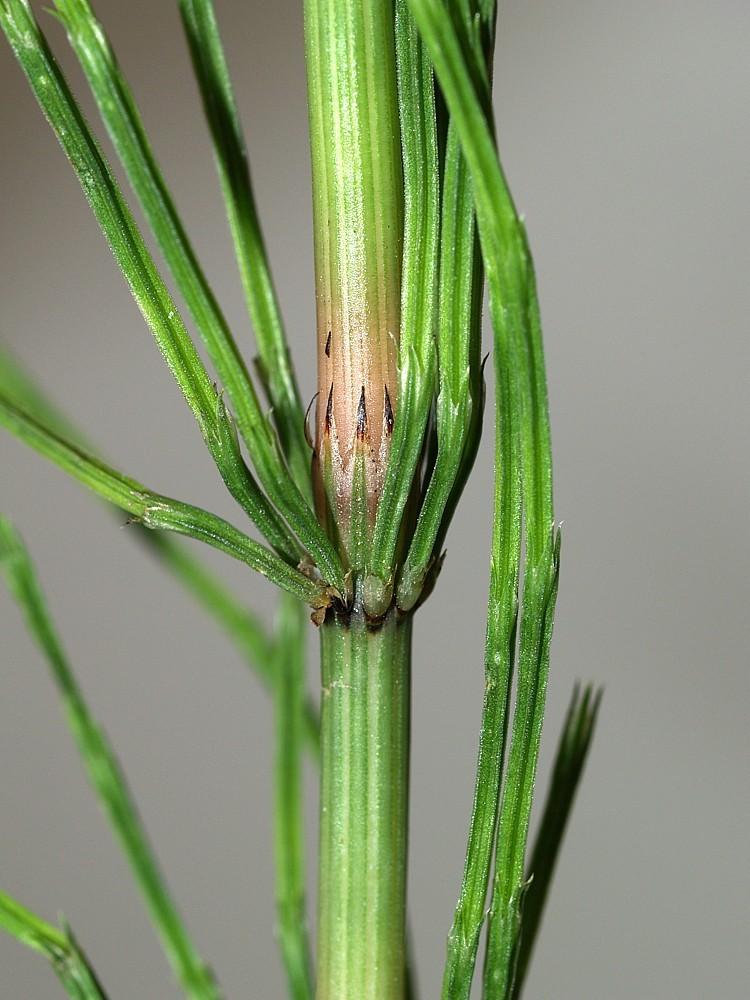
column 122, row 119
column 104, row 772
column 524, row 423
column 150, row 293
column 158, row 309
column 289, row 833
column 244, row 628
column 458, row 409
column 212, row 74
column 156, row 511
column 570, row 760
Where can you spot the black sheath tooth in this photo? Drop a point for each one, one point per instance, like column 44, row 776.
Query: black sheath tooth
column 362, row 416
column 329, row 411
column 328, row 345
column 387, row 413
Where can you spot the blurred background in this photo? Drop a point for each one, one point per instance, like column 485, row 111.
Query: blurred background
column 624, row 130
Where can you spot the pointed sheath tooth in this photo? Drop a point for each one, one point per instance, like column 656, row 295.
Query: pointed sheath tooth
column 387, row 413
column 329, row 411
column 358, row 226
column 362, row 417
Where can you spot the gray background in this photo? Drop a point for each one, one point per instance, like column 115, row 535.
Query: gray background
column 624, row 129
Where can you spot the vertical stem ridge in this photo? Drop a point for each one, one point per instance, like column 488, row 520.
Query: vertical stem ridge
column 364, row 808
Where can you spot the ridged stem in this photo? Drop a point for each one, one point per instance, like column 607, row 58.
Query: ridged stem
column 364, row 808
column 358, row 230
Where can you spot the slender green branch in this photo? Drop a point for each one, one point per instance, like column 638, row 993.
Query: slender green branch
column 289, row 834
column 510, row 275
column 416, row 357
column 510, row 885
column 69, row 963
column 212, row 74
column 51, row 90
column 156, row 511
column 245, row 629
column 104, row 772
column 463, row 939
column 468, row 920
column 123, row 121
column 460, row 396
column 518, row 355
column 150, row 292
column 570, row 760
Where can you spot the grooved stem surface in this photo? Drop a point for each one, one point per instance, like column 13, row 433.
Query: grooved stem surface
column 364, row 809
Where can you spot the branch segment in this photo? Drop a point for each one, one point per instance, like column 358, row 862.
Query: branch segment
column 58, row 946
column 570, row 760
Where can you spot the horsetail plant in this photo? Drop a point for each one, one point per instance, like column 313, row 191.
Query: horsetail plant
column 411, row 214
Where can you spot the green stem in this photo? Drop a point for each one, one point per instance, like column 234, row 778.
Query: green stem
column 364, row 808
column 358, row 229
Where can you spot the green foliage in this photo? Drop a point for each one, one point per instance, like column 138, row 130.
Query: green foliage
column 458, row 406
column 119, row 113
column 153, row 298
column 425, row 231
